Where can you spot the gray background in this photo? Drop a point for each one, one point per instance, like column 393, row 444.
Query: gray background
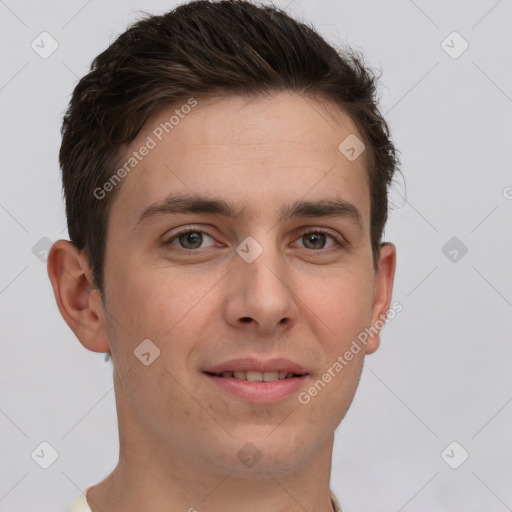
column 443, row 371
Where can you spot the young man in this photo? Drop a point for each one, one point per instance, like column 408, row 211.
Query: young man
column 226, row 174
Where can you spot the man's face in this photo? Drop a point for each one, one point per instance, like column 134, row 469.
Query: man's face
column 203, row 303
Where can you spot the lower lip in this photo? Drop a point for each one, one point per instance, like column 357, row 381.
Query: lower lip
column 259, row 392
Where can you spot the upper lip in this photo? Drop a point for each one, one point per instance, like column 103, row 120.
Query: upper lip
column 257, row 365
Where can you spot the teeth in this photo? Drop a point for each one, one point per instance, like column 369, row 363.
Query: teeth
column 253, row 376
column 270, row 376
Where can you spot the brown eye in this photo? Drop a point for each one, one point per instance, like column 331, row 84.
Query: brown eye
column 314, row 240
column 189, row 240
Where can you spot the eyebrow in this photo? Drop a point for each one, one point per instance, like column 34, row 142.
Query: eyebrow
column 184, row 203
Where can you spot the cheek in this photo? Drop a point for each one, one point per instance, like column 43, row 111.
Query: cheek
column 138, row 297
column 161, row 304
column 343, row 306
column 134, row 312
column 343, row 303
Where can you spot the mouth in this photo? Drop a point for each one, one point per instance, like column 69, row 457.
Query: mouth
column 257, row 387
column 254, row 376
column 256, row 380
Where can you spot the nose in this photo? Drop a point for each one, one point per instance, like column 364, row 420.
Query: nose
column 260, row 293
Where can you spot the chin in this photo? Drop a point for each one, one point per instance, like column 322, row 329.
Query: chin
column 271, row 449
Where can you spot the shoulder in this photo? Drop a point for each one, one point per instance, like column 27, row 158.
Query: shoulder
column 80, row 504
column 335, row 504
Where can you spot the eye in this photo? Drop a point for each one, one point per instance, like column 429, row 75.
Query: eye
column 192, row 239
column 189, row 239
column 316, row 240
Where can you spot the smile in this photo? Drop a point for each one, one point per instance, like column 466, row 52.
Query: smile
column 257, row 387
column 253, row 376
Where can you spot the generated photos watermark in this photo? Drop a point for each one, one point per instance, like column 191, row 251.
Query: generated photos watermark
column 157, row 135
column 304, row 397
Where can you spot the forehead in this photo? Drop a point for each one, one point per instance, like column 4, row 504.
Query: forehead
column 258, row 152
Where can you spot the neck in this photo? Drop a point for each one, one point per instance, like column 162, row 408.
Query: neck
column 125, row 490
column 166, row 471
column 164, row 482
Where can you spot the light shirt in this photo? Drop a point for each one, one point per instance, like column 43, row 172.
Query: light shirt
column 81, row 505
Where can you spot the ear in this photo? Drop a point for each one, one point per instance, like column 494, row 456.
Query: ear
column 79, row 303
column 382, row 294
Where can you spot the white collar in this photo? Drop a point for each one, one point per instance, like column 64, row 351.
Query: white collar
column 81, row 505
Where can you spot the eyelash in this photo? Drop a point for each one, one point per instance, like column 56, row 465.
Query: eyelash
column 340, row 241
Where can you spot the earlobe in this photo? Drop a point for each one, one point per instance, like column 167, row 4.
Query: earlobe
column 383, row 293
column 78, row 302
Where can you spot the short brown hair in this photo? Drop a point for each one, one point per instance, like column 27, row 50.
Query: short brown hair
column 205, row 47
